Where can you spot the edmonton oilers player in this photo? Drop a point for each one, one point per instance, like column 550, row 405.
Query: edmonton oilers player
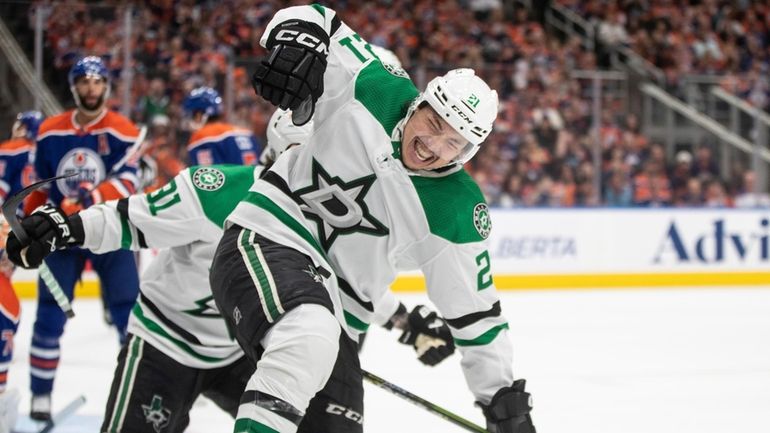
column 214, row 141
column 88, row 141
column 15, row 172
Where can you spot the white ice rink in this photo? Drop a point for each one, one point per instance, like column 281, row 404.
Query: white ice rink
column 609, row 361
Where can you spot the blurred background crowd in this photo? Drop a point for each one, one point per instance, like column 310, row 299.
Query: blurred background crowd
column 540, row 153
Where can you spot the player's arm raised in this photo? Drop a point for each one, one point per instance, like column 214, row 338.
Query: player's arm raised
column 312, row 55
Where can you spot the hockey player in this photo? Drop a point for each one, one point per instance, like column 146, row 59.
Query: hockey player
column 378, row 188
column 88, row 141
column 179, row 346
column 214, row 141
column 15, row 169
column 15, row 172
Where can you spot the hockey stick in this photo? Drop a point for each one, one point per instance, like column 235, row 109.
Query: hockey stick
column 63, row 414
column 9, row 212
column 425, row 404
column 132, row 151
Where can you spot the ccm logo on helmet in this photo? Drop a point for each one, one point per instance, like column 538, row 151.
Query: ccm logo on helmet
column 462, row 115
column 305, row 39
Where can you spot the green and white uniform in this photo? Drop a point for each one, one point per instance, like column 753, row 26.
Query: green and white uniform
column 346, row 200
column 176, row 311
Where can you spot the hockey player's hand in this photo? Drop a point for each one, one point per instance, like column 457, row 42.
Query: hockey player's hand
column 508, row 412
column 83, row 199
column 291, row 76
column 429, row 334
column 48, row 229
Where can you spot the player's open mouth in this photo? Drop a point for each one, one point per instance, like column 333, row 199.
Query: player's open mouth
column 423, row 153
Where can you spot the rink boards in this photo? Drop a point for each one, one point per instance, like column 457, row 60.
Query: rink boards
column 600, row 248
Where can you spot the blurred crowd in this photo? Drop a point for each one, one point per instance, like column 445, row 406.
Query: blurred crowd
column 540, row 153
column 728, row 38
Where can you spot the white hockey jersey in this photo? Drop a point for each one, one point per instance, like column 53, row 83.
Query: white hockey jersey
column 346, row 200
column 175, row 311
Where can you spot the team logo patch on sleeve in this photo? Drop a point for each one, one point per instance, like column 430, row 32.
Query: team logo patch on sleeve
column 208, row 179
column 395, row 70
column 481, row 220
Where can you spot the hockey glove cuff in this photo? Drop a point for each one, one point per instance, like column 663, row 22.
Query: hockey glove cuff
column 398, row 319
column 508, row 411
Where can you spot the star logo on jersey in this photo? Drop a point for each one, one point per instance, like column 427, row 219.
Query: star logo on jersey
column 206, row 308
column 208, row 179
column 313, row 272
column 395, row 70
column 481, row 220
column 156, row 414
column 338, row 207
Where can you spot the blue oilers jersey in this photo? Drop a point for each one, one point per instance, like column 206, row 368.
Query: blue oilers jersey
column 90, row 151
column 15, row 168
column 221, row 143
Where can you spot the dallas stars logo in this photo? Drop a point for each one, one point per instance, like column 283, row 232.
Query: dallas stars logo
column 208, row 179
column 338, row 207
column 156, row 414
column 481, row 220
column 206, row 308
column 313, row 272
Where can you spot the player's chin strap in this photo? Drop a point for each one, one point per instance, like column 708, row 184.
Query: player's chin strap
column 9, row 212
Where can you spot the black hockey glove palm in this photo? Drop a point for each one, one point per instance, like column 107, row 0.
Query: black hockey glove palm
column 508, row 412
column 429, row 334
column 291, row 76
column 48, row 229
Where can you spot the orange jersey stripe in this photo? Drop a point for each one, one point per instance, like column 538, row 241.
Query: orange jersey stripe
column 16, row 145
column 211, row 130
column 107, row 191
column 43, row 363
column 56, row 123
column 110, row 121
column 34, row 200
column 9, row 302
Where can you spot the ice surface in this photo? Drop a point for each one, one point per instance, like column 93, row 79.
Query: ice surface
column 604, row 361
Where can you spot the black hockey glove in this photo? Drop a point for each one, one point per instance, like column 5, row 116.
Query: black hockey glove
column 508, row 412
column 49, row 229
column 292, row 75
column 429, row 334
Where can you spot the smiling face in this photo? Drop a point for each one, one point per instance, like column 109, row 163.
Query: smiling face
column 429, row 142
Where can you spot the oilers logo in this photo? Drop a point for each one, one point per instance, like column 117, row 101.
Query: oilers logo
column 86, row 163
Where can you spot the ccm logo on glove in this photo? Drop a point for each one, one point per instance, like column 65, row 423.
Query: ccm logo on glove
column 308, row 40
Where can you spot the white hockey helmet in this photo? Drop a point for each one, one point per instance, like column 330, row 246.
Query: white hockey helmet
column 464, row 101
column 282, row 133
